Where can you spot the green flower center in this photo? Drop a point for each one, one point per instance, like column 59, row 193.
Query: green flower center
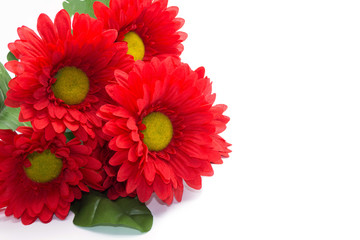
column 158, row 132
column 71, row 86
column 44, row 168
column 136, row 47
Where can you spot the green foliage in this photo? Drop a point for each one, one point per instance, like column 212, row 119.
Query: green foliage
column 69, row 135
column 4, row 81
column 9, row 119
column 95, row 209
column 8, row 116
column 82, row 6
column 11, row 57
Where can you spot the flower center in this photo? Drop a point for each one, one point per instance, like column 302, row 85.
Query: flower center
column 158, row 132
column 44, row 168
column 136, row 47
column 71, row 86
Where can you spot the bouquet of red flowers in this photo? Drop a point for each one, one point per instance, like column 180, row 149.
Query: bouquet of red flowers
column 102, row 114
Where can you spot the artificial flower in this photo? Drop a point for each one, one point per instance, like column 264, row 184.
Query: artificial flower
column 150, row 28
column 164, row 128
column 40, row 178
column 109, row 183
column 61, row 74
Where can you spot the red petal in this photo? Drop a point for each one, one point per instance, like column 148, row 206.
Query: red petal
column 163, row 169
column 63, row 24
column 131, row 124
column 91, row 176
column 36, row 44
column 40, row 123
column 81, row 134
column 93, row 163
column 27, row 112
column 72, row 126
column 58, row 126
column 63, row 210
column 60, row 112
column 121, row 112
column 62, row 152
column 84, row 188
column 125, row 171
column 144, row 191
column 111, row 129
column 76, row 114
column 114, row 91
column 201, row 72
column 100, row 9
column 49, row 133
column 46, row 215
column 15, row 67
column 64, row 189
column 121, row 77
column 170, row 199
column 20, row 207
column 123, row 141
column 41, row 104
column 37, row 206
column 51, row 110
column 106, row 111
column 194, row 150
column 162, row 189
column 8, row 135
column 178, row 192
column 194, row 183
column 46, row 28
column 13, row 50
column 94, row 118
column 80, row 149
column 118, row 158
column 149, row 171
column 131, row 184
column 26, row 219
column 132, row 157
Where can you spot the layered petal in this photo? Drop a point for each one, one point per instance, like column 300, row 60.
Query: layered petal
column 157, row 100
column 153, row 21
column 22, row 191
column 82, row 44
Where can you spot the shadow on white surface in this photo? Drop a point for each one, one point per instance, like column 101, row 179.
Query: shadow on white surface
column 108, row 230
column 10, row 219
column 158, row 207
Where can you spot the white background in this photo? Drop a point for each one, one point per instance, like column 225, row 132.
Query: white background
column 289, row 72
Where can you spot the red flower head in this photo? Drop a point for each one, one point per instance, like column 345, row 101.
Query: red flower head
column 149, row 27
column 164, row 128
column 61, row 75
column 40, row 178
column 109, row 183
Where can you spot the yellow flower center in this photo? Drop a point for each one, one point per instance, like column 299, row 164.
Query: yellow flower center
column 136, row 47
column 71, row 86
column 44, row 168
column 158, row 132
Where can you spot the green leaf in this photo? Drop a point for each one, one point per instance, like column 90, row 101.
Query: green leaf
column 8, row 116
column 95, row 209
column 9, row 119
column 69, row 135
column 11, row 57
column 4, row 81
column 82, row 6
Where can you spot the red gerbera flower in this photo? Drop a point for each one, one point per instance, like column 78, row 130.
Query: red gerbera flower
column 40, row 178
column 149, row 27
column 109, row 183
column 164, row 128
column 61, row 75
